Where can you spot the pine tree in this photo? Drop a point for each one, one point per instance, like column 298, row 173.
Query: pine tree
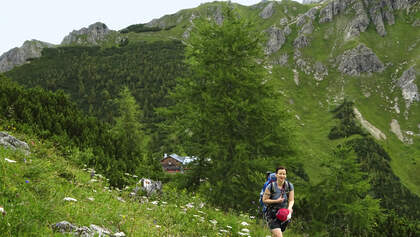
column 227, row 112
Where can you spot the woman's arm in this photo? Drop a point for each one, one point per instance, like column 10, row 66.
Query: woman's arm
column 291, row 200
column 266, row 198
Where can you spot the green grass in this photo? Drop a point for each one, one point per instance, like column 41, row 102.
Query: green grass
column 33, row 189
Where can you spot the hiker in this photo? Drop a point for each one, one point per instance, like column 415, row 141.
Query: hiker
column 279, row 195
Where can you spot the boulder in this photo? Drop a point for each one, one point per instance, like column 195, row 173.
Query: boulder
column 149, row 186
column 9, row 141
column 359, row 60
column 360, row 23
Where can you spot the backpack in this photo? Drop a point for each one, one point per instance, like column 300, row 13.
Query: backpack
column 271, row 177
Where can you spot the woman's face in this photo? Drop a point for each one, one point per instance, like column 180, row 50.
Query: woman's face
column 281, row 175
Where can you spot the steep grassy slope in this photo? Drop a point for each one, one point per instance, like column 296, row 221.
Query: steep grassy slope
column 32, row 192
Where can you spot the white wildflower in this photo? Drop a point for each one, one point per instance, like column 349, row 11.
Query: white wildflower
column 201, row 212
column 196, row 216
column 217, row 209
column 70, row 199
column 94, row 191
column 120, row 199
column 201, row 205
column 10, row 161
column 228, row 226
column 135, row 176
column 190, row 205
column 245, row 230
column 214, row 222
column 127, row 174
column 164, row 203
column 252, row 217
column 223, row 231
column 155, row 202
column 91, row 199
column 119, row 234
column 93, row 181
column 157, row 226
column 149, row 209
column 2, row 211
column 244, row 223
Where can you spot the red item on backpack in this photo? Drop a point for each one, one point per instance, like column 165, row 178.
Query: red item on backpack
column 282, row 214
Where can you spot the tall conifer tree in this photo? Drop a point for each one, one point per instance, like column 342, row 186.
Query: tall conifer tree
column 227, row 113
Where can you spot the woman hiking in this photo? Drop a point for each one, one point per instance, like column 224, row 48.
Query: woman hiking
column 279, row 195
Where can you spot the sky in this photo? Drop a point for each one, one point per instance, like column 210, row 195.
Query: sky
column 51, row 20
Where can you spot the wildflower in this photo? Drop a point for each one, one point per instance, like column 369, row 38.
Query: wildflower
column 70, row 199
column 93, row 181
column 119, row 234
column 10, row 161
column 252, row 217
column 201, row 205
column 244, row 223
column 135, row 176
column 91, row 199
column 120, row 199
column 157, row 226
column 228, row 226
column 189, row 205
column 201, row 212
column 149, row 209
column 223, row 231
column 2, row 211
column 245, row 230
column 243, row 234
column 155, row 202
column 214, row 222
column 164, row 203
column 27, row 181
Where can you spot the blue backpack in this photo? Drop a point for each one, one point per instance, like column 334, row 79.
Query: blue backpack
column 271, row 177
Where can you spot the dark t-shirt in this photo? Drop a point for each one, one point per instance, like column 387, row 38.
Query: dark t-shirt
column 276, row 192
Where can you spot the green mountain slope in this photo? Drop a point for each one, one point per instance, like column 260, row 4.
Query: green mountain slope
column 321, row 55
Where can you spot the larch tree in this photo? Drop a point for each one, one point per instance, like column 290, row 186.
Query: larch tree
column 227, row 113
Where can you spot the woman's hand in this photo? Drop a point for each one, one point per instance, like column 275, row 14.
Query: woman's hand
column 279, row 200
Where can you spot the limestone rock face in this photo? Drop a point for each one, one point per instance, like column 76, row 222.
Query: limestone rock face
column 276, row 40
column 359, row 60
column 408, row 86
column 332, row 9
column 92, row 35
column 268, row 11
column 18, row 56
column 360, row 23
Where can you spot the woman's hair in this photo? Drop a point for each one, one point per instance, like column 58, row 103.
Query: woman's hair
column 281, row 168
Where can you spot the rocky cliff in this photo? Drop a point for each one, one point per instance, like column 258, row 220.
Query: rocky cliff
column 18, row 56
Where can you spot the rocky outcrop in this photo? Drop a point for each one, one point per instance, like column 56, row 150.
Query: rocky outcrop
column 375, row 132
column 276, row 39
column 268, row 11
column 395, row 128
column 416, row 23
column 408, row 86
column 18, row 56
column 360, row 23
column 332, row 9
column 359, row 60
column 65, row 227
column 92, row 35
column 9, row 141
column 321, row 71
column 218, row 16
column 280, row 60
column 301, row 41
